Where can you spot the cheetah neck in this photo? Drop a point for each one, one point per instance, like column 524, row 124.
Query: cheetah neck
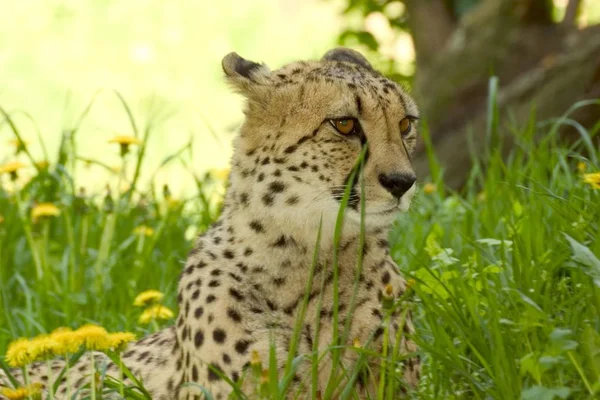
column 264, row 243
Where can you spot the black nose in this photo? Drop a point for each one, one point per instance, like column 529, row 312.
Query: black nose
column 397, row 184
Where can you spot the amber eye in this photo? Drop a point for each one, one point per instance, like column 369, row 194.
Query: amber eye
column 345, row 126
column 405, row 125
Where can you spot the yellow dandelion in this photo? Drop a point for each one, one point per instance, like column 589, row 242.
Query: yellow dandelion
column 93, row 337
column 125, row 142
column 148, row 297
column 44, row 210
column 388, row 291
column 16, row 142
column 155, row 313
column 68, row 341
column 581, row 166
column 33, row 391
column 264, row 377
column 220, row 174
column 173, row 203
column 143, row 230
column 254, row 358
column 19, row 353
column 429, row 188
column 1, row 219
column 592, row 179
column 356, row 343
column 411, row 282
column 118, row 341
column 20, row 145
column 43, row 165
column 11, row 168
column 388, row 297
column 43, row 347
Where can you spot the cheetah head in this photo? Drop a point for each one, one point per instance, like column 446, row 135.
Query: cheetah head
column 305, row 127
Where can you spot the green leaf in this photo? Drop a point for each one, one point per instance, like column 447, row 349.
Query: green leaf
column 584, row 256
column 544, row 393
column 362, row 37
column 530, row 365
column 495, row 242
column 431, row 284
column 561, row 340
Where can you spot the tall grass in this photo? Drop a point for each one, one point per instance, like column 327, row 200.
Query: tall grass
column 506, row 273
column 88, row 263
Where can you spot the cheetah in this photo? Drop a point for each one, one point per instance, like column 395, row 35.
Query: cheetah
column 244, row 284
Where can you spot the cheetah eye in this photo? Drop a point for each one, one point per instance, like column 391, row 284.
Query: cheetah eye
column 405, row 125
column 345, row 126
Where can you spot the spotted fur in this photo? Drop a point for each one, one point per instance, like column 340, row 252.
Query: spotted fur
column 243, row 284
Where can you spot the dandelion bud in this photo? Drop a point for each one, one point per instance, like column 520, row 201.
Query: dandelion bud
column 388, row 297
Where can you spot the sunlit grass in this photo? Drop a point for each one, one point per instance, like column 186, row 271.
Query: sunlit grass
column 503, row 278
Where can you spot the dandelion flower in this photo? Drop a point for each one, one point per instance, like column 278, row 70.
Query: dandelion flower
column 43, row 165
column 44, row 210
column 388, row 291
column 388, row 297
column 19, row 353
column 429, row 188
column 220, row 174
column 1, row 219
column 68, row 341
column 11, row 168
column 581, row 167
column 119, row 340
column 124, row 139
column 173, row 203
column 264, row 377
column 125, row 142
column 43, row 347
column 254, row 358
column 411, row 282
column 143, row 230
column 148, row 297
column 20, row 145
column 155, row 313
column 33, row 391
column 356, row 343
column 93, row 337
column 592, row 179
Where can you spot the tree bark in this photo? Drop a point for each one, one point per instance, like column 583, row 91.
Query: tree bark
column 551, row 80
column 571, row 14
column 431, row 25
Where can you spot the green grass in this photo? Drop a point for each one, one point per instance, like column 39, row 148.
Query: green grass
column 506, row 274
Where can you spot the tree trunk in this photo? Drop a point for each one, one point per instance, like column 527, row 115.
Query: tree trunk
column 539, row 65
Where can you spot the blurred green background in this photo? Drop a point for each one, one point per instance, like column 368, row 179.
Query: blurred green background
column 164, row 58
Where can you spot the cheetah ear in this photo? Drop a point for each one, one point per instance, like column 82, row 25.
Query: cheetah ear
column 347, row 55
column 243, row 74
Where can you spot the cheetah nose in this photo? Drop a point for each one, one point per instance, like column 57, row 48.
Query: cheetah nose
column 397, row 184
